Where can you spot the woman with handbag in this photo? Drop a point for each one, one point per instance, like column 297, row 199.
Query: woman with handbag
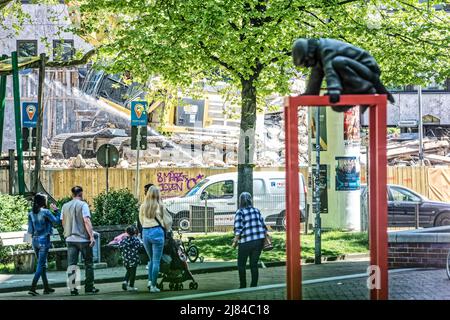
column 155, row 221
column 250, row 232
column 40, row 227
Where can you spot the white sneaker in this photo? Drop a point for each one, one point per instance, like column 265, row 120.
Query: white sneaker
column 149, row 284
column 154, row 289
column 132, row 289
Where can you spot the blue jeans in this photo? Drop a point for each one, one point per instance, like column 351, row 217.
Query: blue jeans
column 154, row 245
column 41, row 245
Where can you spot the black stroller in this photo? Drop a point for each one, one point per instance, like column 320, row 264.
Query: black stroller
column 174, row 267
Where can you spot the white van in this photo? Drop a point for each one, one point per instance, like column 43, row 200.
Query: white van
column 268, row 196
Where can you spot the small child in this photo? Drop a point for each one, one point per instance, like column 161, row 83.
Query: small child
column 129, row 247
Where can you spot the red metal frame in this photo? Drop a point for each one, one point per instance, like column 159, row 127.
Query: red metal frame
column 377, row 187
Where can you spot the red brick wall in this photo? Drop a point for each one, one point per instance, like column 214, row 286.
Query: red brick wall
column 413, row 255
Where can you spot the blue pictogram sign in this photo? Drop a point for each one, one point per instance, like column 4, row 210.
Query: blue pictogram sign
column 139, row 113
column 29, row 114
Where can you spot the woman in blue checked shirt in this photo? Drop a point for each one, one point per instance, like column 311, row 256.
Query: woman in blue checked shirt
column 250, row 231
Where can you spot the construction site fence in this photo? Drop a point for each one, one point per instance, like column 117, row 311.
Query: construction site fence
column 431, row 182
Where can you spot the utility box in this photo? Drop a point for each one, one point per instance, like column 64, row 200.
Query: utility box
column 197, row 218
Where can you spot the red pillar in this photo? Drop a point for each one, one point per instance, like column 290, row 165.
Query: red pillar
column 293, row 263
column 378, row 197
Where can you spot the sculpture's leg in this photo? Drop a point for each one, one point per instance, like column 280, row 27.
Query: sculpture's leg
column 356, row 78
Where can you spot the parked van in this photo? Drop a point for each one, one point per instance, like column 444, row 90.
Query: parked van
column 221, row 189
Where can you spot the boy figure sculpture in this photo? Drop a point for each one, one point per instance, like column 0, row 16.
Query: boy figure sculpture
column 346, row 68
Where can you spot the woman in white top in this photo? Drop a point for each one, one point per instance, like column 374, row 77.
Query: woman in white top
column 155, row 221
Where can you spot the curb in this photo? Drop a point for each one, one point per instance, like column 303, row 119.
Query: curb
column 198, row 271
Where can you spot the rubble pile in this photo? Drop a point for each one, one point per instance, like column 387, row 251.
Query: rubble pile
column 197, row 149
column 436, row 152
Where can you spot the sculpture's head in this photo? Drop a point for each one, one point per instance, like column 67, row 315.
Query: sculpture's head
column 303, row 55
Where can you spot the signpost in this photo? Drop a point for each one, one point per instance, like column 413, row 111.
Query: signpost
column 317, row 224
column 30, row 112
column 107, row 157
column 138, row 133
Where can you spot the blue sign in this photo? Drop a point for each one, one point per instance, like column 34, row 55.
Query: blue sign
column 29, row 114
column 139, row 113
column 347, row 174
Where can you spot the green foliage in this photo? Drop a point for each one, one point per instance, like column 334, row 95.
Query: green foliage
column 115, row 207
column 334, row 244
column 227, row 39
column 13, row 212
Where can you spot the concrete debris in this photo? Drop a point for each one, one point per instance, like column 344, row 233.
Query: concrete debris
column 196, row 148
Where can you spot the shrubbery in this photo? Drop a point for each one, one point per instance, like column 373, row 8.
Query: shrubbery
column 13, row 212
column 13, row 216
column 115, row 207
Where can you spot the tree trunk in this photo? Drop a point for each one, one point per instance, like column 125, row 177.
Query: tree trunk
column 247, row 137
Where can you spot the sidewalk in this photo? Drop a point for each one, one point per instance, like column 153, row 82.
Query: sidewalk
column 342, row 280
column 208, row 281
column 20, row 282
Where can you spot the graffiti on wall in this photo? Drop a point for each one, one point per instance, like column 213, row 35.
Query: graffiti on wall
column 177, row 182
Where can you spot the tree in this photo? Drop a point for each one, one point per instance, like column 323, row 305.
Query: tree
column 249, row 42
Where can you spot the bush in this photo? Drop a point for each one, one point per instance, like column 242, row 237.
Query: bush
column 13, row 212
column 115, row 207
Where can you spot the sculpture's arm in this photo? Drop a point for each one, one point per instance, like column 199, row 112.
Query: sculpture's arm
column 314, row 81
column 332, row 78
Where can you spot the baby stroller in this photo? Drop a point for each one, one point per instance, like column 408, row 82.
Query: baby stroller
column 174, row 267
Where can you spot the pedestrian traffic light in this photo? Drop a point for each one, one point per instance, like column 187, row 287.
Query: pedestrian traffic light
column 25, row 139
column 143, row 137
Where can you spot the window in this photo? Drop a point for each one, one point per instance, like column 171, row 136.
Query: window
column 63, row 50
column 399, row 194
column 196, row 188
column 220, row 190
column 27, row 48
column 258, row 187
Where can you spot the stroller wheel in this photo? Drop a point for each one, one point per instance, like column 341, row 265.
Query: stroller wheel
column 171, row 286
column 180, row 286
column 193, row 285
column 160, row 286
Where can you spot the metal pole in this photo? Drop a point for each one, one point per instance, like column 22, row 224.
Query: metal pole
column 2, row 104
column 39, row 126
column 107, row 166
column 30, row 150
column 293, row 249
column 378, row 241
column 317, row 227
column 138, row 138
column 416, row 213
column 206, row 215
column 419, row 91
column 17, row 116
column 12, row 172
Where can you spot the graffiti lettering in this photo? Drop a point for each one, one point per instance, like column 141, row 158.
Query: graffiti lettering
column 177, row 181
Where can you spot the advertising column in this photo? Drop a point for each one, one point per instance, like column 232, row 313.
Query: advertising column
column 339, row 168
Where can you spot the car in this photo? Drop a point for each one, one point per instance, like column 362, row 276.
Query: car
column 402, row 204
column 269, row 197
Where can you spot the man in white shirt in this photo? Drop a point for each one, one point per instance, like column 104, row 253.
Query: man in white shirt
column 76, row 221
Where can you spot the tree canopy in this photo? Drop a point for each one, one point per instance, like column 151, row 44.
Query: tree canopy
column 184, row 40
column 249, row 42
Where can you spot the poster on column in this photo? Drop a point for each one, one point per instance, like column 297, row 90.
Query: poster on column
column 351, row 127
column 322, row 129
column 347, row 173
column 323, row 185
